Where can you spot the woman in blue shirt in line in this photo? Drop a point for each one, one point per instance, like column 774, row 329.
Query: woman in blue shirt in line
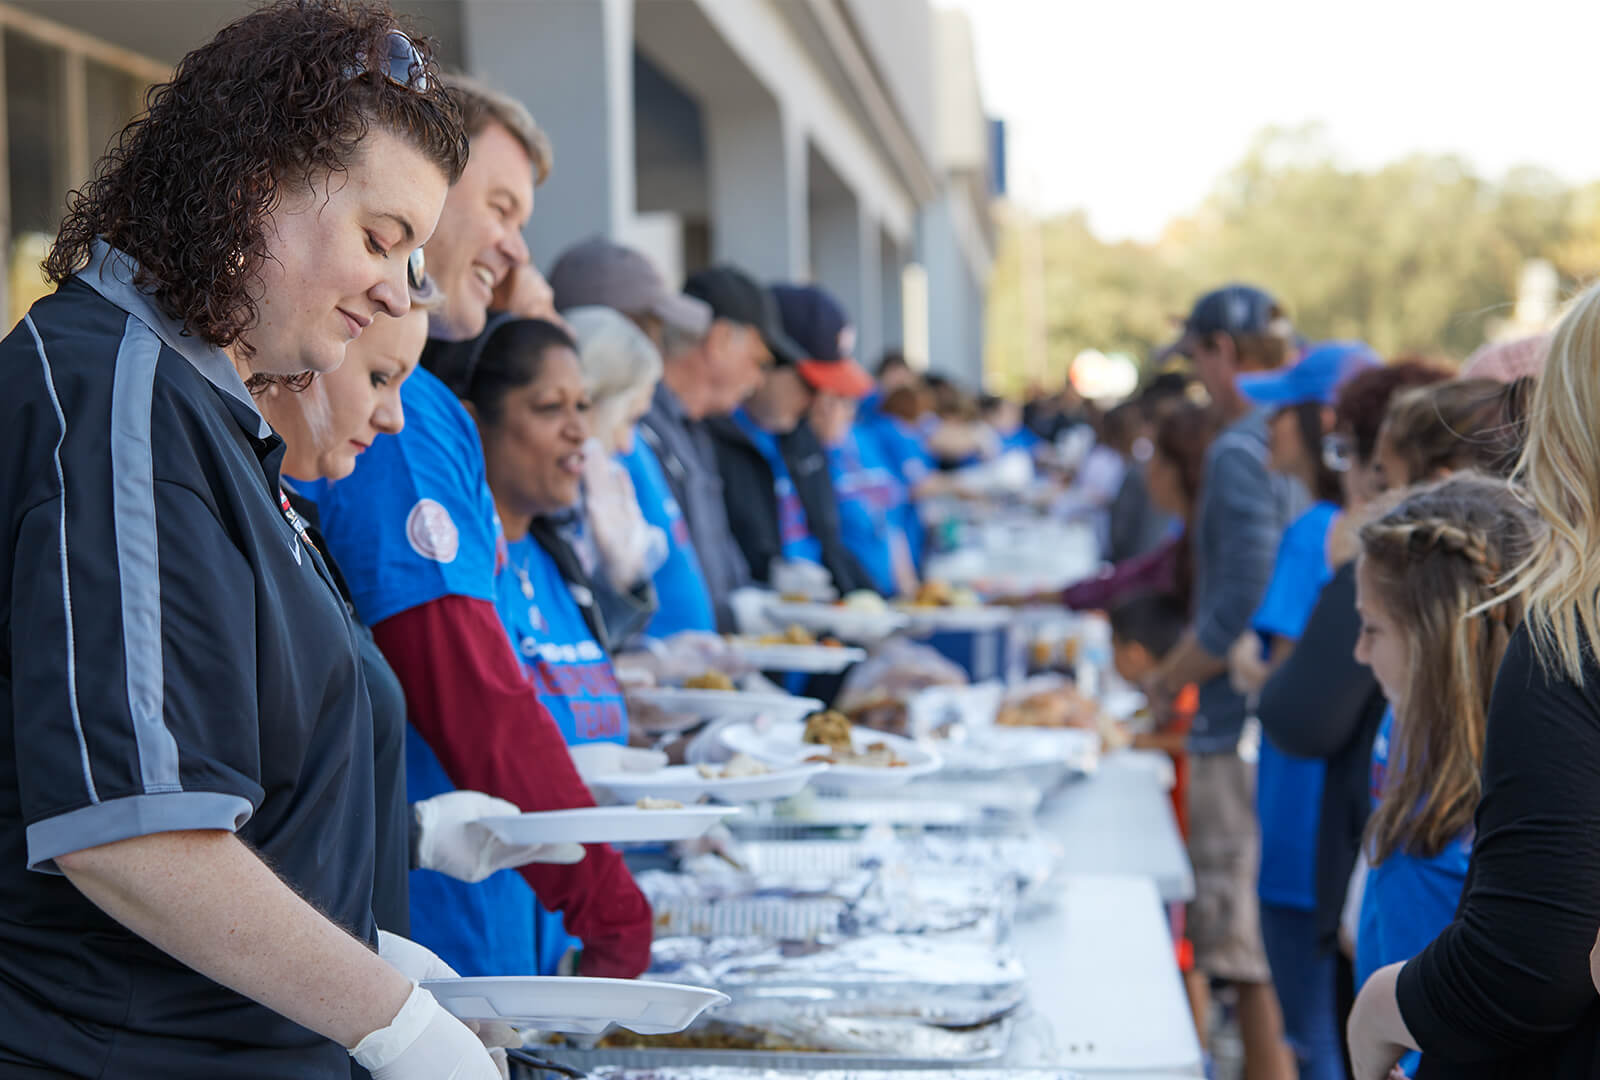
column 1289, row 789
column 526, row 394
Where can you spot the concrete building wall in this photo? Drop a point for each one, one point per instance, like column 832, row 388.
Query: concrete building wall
column 802, row 139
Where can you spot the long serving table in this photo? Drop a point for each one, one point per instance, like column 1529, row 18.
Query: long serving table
column 1102, row 969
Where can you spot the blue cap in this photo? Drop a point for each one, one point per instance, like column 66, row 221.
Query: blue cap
column 1315, row 378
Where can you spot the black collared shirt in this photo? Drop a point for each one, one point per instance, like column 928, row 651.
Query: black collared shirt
column 175, row 657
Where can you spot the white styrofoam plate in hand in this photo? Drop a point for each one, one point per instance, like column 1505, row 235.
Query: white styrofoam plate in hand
column 779, row 744
column 804, row 659
column 852, row 624
column 606, row 825
column 575, row 1004
column 684, row 783
column 717, row 704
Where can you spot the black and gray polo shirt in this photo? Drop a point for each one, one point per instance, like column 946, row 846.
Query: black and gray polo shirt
column 175, row 656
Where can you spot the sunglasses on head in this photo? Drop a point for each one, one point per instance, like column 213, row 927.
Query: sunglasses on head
column 1338, row 452
column 401, row 62
column 416, row 270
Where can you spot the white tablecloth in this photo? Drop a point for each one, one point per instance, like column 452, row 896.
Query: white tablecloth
column 1119, row 821
column 1103, row 973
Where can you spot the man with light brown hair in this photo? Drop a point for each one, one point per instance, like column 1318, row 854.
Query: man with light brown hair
column 415, row 530
column 478, row 252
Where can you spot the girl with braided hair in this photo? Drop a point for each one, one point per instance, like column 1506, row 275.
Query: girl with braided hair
column 1430, row 572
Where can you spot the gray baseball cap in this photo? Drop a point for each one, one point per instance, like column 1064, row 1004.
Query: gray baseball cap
column 605, row 274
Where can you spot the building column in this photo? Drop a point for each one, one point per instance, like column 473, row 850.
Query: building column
column 891, row 269
column 756, row 160
column 571, row 63
column 846, row 260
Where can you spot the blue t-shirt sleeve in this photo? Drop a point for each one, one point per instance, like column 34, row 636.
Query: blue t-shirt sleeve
column 415, row 521
column 1298, row 575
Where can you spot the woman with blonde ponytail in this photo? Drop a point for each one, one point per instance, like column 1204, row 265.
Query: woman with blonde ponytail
column 1504, row 991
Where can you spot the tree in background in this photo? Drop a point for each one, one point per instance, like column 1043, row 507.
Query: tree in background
column 1421, row 255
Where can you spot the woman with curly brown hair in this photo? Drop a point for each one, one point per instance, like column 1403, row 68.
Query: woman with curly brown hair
column 186, row 779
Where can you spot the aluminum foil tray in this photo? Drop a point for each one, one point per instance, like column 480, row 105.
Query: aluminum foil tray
column 720, row 1072
column 863, row 1044
column 1029, row 861
column 891, row 899
column 930, row 980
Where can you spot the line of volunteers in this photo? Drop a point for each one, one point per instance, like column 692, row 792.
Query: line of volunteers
column 321, row 551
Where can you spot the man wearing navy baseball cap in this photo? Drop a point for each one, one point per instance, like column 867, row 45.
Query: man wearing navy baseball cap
column 1233, row 533
column 777, row 489
column 1290, row 790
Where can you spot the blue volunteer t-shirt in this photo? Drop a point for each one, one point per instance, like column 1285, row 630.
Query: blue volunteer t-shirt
column 413, row 523
column 1289, row 789
column 1408, row 899
column 871, row 499
column 680, row 583
column 793, row 528
column 572, row 675
column 569, row 670
column 1021, row 439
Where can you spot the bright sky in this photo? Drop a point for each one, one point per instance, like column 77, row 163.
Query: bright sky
column 1131, row 110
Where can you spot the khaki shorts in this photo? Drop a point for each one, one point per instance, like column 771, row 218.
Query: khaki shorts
column 1224, row 921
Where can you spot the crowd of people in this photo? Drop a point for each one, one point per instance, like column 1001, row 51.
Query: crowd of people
column 323, row 549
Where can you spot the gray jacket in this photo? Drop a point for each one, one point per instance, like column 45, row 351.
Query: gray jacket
column 1244, row 508
column 689, row 462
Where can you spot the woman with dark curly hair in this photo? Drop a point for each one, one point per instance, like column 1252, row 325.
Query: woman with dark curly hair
column 186, row 758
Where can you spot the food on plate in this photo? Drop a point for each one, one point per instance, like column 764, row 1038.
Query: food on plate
column 865, row 601
column 794, row 598
column 940, row 594
column 833, row 730
column 793, row 635
column 650, row 803
column 1059, row 707
column 738, row 767
column 828, row 728
column 711, row 680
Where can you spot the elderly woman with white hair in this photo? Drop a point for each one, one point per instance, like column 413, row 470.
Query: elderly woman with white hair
column 633, row 532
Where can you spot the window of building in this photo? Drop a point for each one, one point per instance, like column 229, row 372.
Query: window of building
column 66, row 96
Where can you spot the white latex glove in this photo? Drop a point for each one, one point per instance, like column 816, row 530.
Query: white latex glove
column 424, row 1042
column 597, row 759
column 452, row 842
column 420, row 963
column 631, row 549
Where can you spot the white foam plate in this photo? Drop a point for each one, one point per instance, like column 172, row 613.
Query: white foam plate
column 718, row 704
column 606, row 825
column 684, row 783
column 852, row 624
column 805, row 659
column 779, row 744
column 575, row 1004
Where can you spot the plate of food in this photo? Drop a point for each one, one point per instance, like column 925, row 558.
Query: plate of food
column 858, row 759
column 709, row 700
column 742, row 779
column 796, row 649
column 575, row 1004
column 861, row 616
column 938, row 605
column 650, row 820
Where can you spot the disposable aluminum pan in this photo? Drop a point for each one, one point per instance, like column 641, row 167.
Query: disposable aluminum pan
column 612, row 1072
column 928, row 980
column 865, row 1044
